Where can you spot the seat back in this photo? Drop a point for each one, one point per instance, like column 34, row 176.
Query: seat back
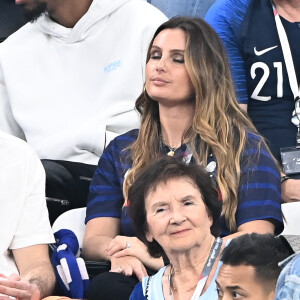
column 291, row 212
column 73, row 220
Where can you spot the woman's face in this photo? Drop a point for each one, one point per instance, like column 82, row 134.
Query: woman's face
column 177, row 216
column 167, row 80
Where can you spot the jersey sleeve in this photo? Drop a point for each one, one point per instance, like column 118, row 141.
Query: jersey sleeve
column 226, row 17
column 260, row 188
column 106, row 190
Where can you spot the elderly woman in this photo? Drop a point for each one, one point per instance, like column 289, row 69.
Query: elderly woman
column 188, row 110
column 175, row 211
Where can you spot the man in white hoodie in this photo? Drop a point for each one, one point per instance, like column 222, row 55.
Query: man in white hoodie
column 68, row 83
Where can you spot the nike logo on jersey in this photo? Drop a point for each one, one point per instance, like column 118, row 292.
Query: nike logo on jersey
column 261, row 52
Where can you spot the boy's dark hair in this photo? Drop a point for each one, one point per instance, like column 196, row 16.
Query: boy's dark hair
column 162, row 171
column 262, row 251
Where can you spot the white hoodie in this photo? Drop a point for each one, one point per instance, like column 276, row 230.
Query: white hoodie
column 69, row 91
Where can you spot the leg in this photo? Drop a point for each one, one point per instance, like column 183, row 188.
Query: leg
column 111, row 286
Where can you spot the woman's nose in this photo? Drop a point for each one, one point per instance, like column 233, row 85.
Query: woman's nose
column 177, row 216
column 161, row 65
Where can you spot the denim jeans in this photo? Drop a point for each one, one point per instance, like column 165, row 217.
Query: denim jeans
column 288, row 284
column 191, row 8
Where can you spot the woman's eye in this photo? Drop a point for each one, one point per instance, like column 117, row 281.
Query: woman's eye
column 178, row 59
column 155, row 55
column 160, row 210
column 188, row 203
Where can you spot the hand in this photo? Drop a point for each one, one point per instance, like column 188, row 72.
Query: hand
column 124, row 245
column 290, row 190
column 128, row 265
column 14, row 286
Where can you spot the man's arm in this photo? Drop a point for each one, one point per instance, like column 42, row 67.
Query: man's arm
column 36, row 279
column 226, row 17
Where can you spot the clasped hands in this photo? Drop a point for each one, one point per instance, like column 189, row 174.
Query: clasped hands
column 128, row 256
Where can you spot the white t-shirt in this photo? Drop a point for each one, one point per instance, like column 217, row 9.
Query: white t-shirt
column 23, row 212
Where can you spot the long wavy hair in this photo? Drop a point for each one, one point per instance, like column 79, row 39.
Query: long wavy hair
column 219, row 125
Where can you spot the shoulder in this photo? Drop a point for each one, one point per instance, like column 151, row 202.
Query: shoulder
column 255, row 140
column 256, row 151
column 117, row 150
column 14, row 148
column 230, row 11
column 289, row 278
column 20, row 164
column 23, row 34
column 124, row 140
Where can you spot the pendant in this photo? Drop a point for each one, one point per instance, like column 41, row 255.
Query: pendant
column 171, row 153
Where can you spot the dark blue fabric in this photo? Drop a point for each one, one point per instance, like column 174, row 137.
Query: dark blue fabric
column 259, row 191
column 137, row 293
column 247, row 27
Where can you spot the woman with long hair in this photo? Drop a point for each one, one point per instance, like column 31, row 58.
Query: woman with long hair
column 188, row 109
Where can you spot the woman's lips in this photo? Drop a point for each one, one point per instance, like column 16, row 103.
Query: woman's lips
column 180, row 232
column 159, row 81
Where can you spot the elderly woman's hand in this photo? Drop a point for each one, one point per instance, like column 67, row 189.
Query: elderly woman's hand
column 128, row 265
column 123, row 246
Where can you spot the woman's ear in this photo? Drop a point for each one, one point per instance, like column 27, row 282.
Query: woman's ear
column 149, row 237
column 211, row 220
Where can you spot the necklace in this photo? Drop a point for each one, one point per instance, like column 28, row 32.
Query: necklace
column 171, row 151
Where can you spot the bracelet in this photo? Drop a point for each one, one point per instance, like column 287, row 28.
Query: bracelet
column 284, row 178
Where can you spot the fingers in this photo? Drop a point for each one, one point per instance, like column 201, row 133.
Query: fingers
column 127, row 270
column 128, row 266
column 116, row 269
column 18, row 289
column 117, row 244
column 120, row 243
column 14, row 277
column 140, row 272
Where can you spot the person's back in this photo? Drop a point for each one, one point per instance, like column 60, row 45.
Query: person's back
column 69, row 87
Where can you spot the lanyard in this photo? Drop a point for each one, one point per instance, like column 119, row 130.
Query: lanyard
column 214, row 252
column 288, row 59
